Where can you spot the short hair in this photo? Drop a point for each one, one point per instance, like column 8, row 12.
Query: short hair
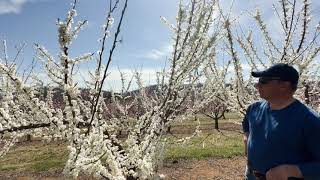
column 294, row 86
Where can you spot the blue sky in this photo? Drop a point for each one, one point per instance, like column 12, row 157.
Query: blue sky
column 146, row 40
column 34, row 21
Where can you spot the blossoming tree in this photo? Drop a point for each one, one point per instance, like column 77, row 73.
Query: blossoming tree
column 297, row 44
column 85, row 123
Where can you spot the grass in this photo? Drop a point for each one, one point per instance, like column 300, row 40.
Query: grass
column 34, row 157
column 41, row 157
column 204, row 120
column 48, row 164
column 204, row 146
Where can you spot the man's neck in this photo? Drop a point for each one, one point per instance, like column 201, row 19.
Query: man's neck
column 281, row 103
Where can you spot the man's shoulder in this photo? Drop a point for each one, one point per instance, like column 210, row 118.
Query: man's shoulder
column 262, row 104
column 307, row 111
column 312, row 114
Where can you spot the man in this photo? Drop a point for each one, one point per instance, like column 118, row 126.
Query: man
column 282, row 135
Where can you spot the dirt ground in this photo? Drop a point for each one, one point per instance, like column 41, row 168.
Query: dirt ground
column 212, row 168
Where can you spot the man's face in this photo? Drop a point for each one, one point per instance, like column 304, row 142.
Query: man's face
column 268, row 87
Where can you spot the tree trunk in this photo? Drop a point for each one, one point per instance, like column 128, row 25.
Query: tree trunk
column 216, row 123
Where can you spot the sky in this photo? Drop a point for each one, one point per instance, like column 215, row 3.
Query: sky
column 146, row 40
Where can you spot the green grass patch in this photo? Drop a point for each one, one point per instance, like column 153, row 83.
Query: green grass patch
column 34, row 157
column 215, row 145
column 42, row 157
column 205, row 120
column 48, row 164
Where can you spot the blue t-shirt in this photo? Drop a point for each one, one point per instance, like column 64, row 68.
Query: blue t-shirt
column 287, row 136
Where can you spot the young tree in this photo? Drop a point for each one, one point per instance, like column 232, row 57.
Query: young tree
column 94, row 144
column 297, row 45
column 215, row 103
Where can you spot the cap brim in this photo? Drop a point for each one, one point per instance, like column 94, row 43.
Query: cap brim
column 257, row 73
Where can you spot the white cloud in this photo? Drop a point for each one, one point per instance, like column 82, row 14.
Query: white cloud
column 13, row 6
column 113, row 80
column 157, row 54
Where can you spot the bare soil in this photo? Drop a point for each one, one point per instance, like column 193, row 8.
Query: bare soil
column 212, row 168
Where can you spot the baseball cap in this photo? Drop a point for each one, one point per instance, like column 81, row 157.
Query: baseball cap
column 282, row 71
